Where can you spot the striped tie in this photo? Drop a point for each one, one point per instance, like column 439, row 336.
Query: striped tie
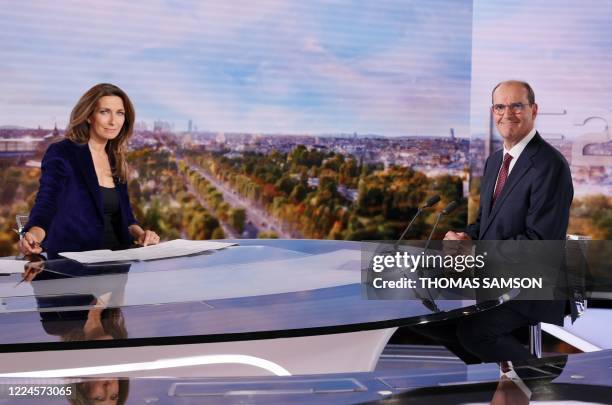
column 503, row 176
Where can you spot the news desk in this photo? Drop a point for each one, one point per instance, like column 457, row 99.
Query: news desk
column 263, row 307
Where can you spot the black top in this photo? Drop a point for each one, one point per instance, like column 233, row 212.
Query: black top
column 112, row 218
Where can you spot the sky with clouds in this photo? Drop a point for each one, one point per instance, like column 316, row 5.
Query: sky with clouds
column 562, row 48
column 273, row 66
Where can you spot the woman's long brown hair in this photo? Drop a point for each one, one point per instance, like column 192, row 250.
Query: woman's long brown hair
column 78, row 128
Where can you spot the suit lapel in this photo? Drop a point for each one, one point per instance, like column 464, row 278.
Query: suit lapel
column 89, row 174
column 521, row 167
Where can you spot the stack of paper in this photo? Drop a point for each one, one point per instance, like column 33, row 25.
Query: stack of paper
column 12, row 266
column 173, row 248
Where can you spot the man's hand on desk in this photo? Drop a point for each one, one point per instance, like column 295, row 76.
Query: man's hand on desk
column 457, row 243
column 452, row 235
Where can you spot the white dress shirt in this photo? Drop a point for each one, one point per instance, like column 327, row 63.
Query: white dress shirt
column 515, row 152
column 517, row 149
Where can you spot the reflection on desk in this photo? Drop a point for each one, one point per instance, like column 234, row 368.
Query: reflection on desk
column 295, row 303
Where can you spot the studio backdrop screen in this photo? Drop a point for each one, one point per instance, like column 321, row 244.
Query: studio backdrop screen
column 323, row 119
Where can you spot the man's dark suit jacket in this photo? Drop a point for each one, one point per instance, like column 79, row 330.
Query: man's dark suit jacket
column 533, row 205
column 68, row 205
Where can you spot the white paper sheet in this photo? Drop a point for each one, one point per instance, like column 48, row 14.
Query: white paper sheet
column 164, row 250
column 12, row 266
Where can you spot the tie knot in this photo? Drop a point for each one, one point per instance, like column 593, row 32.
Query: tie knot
column 507, row 158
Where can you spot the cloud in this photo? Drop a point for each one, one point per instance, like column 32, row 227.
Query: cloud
column 561, row 48
column 389, row 68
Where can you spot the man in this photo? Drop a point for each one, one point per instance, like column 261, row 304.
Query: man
column 526, row 193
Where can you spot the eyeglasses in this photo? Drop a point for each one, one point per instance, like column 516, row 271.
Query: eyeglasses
column 516, row 108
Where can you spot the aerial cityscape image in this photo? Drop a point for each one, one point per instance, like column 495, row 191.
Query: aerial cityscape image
column 279, row 119
column 285, row 119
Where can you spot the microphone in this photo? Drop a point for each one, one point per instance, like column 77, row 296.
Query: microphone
column 450, row 207
column 431, row 201
column 431, row 303
column 447, row 210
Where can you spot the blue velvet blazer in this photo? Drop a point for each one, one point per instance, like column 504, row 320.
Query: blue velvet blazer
column 68, row 205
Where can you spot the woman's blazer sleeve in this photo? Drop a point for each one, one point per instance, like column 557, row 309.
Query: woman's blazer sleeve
column 54, row 172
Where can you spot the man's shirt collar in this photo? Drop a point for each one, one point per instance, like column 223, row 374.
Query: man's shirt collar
column 517, row 149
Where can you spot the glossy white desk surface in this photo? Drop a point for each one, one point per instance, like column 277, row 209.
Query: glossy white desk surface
column 259, row 289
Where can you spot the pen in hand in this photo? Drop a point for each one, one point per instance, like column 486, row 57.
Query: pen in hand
column 37, row 244
column 28, row 244
column 22, row 234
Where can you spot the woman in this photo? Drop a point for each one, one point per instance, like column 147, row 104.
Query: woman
column 99, row 391
column 82, row 202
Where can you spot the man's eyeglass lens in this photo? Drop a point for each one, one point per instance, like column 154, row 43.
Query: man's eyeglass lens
column 514, row 107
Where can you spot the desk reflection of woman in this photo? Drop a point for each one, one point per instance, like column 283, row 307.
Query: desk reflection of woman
column 113, row 391
column 82, row 202
column 101, row 324
column 98, row 322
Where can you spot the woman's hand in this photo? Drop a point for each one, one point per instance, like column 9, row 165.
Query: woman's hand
column 147, row 238
column 142, row 237
column 30, row 243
